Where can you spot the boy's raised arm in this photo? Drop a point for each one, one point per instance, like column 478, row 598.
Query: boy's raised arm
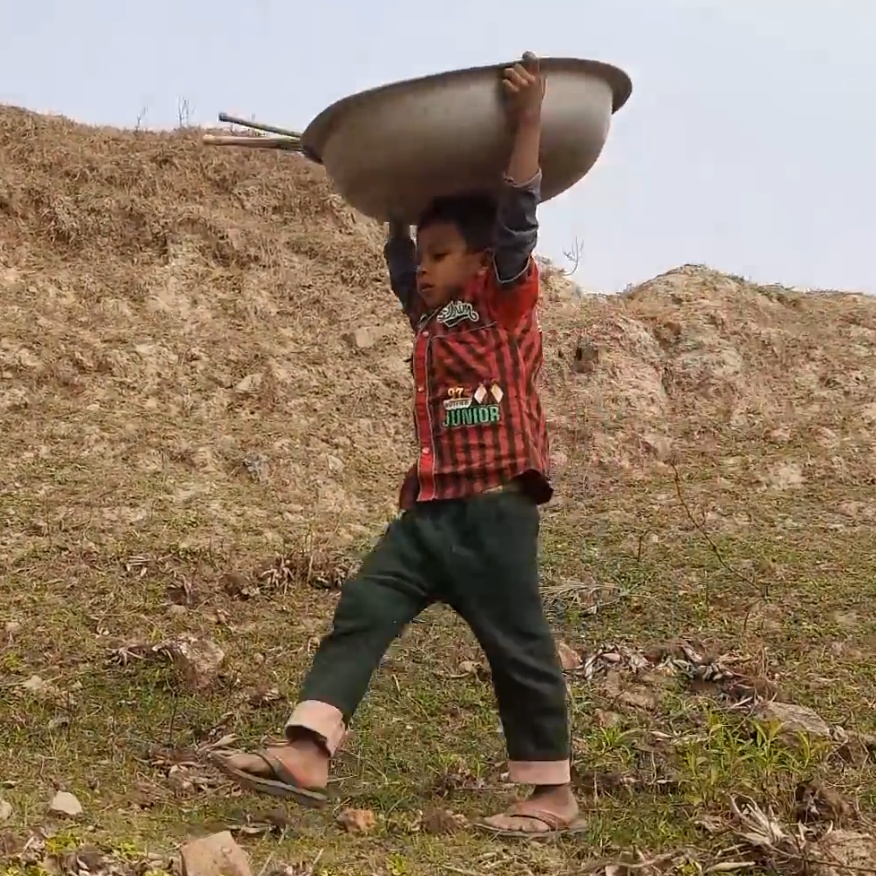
column 400, row 253
column 517, row 221
column 516, row 228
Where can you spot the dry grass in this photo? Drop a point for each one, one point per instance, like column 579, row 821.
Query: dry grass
column 182, row 405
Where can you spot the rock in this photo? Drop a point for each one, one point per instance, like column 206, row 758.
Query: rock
column 249, row 384
column 214, row 855
column 367, row 336
column 5, row 811
column 334, row 464
column 442, row 822
column 64, row 803
column 198, row 660
column 793, row 718
column 639, row 698
column 478, row 670
column 605, row 719
column 357, row 820
column 263, row 696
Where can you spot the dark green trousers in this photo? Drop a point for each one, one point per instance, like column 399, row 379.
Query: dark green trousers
column 480, row 557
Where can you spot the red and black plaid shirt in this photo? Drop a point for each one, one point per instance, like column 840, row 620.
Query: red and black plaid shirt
column 479, row 420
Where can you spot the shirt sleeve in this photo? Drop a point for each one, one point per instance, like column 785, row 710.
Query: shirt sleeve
column 516, row 229
column 515, row 281
column 400, row 254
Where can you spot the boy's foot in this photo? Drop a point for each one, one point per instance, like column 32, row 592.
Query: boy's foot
column 546, row 812
column 298, row 770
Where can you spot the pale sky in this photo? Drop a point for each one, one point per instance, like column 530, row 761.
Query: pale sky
column 748, row 144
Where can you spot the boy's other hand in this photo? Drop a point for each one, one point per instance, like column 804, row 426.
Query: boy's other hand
column 524, row 87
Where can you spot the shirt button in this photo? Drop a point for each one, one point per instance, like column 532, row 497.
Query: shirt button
column 426, row 334
column 421, row 389
column 425, row 451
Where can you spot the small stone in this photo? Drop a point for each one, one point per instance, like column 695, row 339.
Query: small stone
column 570, row 659
column 793, row 718
column 214, row 855
column 606, row 719
column 472, row 667
column 357, row 820
column 64, row 803
column 249, row 384
column 639, row 698
column 367, row 336
column 442, row 822
column 5, row 811
column 334, row 464
column 199, row 661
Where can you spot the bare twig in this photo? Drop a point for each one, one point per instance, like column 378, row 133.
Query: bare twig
column 700, row 526
column 184, row 113
column 574, row 256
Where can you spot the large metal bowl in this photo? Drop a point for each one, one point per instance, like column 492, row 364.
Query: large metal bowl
column 391, row 150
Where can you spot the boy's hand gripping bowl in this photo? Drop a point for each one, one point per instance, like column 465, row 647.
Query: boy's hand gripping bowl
column 391, row 150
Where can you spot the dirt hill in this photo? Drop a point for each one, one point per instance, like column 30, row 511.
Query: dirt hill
column 202, row 373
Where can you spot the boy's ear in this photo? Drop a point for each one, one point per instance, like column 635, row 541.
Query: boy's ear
column 486, row 260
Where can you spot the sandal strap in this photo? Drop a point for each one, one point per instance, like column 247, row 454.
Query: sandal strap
column 278, row 770
column 553, row 821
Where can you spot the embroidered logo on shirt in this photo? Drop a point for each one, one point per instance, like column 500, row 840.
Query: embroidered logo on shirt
column 455, row 312
column 462, row 408
column 458, row 397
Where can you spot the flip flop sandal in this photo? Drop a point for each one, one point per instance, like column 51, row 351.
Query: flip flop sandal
column 283, row 784
column 557, row 826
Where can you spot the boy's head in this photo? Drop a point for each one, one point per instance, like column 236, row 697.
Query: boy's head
column 454, row 245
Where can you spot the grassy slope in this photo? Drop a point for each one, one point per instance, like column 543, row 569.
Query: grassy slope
column 143, row 281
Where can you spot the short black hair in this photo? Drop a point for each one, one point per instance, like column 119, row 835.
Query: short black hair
column 473, row 214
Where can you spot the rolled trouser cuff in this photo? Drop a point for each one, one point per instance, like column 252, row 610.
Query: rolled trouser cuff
column 322, row 719
column 540, row 772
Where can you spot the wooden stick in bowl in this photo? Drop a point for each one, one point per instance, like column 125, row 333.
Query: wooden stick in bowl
column 258, row 126
column 286, row 144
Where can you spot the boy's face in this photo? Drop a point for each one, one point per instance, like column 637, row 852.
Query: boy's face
column 445, row 264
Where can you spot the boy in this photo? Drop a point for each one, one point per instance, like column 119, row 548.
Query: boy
column 468, row 532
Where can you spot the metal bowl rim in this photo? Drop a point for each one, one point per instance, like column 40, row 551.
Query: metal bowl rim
column 316, row 134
